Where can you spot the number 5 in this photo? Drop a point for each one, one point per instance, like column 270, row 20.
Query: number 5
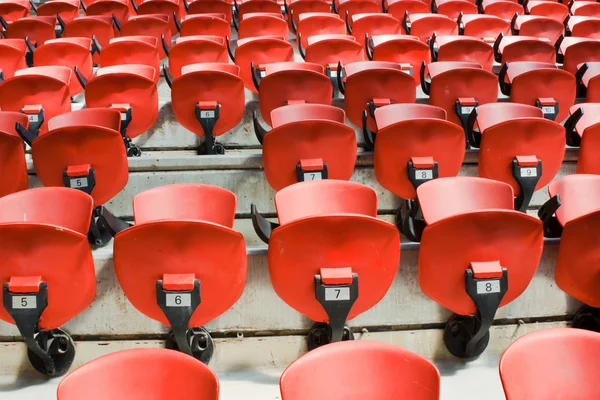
column 24, row 301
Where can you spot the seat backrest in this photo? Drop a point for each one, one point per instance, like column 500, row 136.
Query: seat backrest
column 301, row 112
column 106, row 117
column 579, row 195
column 494, row 113
column 385, row 116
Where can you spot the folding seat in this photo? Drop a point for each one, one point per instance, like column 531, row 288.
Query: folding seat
column 372, row 24
column 12, row 56
column 66, row 52
column 47, row 270
column 518, row 146
column 37, row 29
column 384, row 369
column 555, row 363
column 537, row 26
column 313, row 24
column 352, row 7
column 210, row 7
column 462, row 48
column 295, row 8
column 543, row 85
column 458, row 87
column 127, row 50
column 131, row 89
column 406, row 50
column 67, row 9
column 477, row 254
column 546, row 8
column 574, row 51
column 152, row 260
column 399, row 8
column 194, row 50
column 169, row 8
column 146, row 373
column 155, row 25
column 424, row 25
column 12, row 154
column 205, row 24
column 581, row 128
column 330, row 49
column 262, row 24
column 585, row 27
column 330, row 220
column 118, row 8
column 505, row 9
column 589, row 82
column 100, row 27
column 12, row 10
column 243, row 7
column 307, row 142
column 285, row 83
column 259, row 51
column 41, row 93
column 367, row 85
column 414, row 144
column 453, row 8
column 524, row 48
column 486, row 27
column 585, row 8
column 208, row 99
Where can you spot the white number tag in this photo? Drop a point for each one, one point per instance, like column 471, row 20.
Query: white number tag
column 123, row 116
column 466, row 110
column 33, row 118
column 548, row 110
column 263, row 73
column 487, row 287
column 24, row 302
column 528, row 172
column 337, row 294
column 179, row 300
column 333, row 73
column 207, row 114
column 313, row 176
column 423, row 174
column 79, row 183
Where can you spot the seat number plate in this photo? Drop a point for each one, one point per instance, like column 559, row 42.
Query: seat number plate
column 548, row 110
column 488, row 287
column 207, row 114
column 123, row 116
column 179, row 300
column 466, row 110
column 423, row 174
column 78, row 183
column 313, row 176
column 528, row 172
column 337, row 294
column 24, row 302
column 33, row 118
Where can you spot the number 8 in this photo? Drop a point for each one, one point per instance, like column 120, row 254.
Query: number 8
column 488, row 287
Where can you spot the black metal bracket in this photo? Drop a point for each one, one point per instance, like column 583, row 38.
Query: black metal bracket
column 368, row 135
column 98, row 234
column 560, row 58
column 27, row 135
column 300, row 48
column 85, row 183
column 527, row 177
column 208, row 118
column 581, row 89
column 259, row 131
column 83, row 6
column 262, row 226
column 573, row 138
column 293, row 23
column 135, row 6
column 131, row 149
column 369, row 46
column 177, row 22
column 82, row 80
column 116, row 22
column 550, row 112
column 167, row 75
column 96, row 46
column 405, row 24
column 459, row 22
column 332, row 75
column 504, row 86
column 235, row 18
column 229, row 50
column 464, row 113
column 409, row 220
column 35, row 121
column 473, row 136
column 418, row 176
column 547, row 213
column 316, row 175
column 340, row 78
column 62, row 24
column 424, row 84
column 256, row 78
column 432, row 48
column 337, row 301
column 111, row 223
column 165, row 46
column 587, row 318
column 348, row 27
column 497, row 55
column 513, row 25
column 30, row 50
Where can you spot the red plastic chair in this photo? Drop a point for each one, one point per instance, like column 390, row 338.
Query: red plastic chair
column 372, row 24
column 588, row 79
column 408, row 51
column 574, row 51
column 209, row 7
column 194, row 50
column 208, row 99
column 127, row 50
column 12, row 154
column 518, row 146
column 477, row 254
column 39, row 92
column 168, row 8
column 583, row 27
column 330, row 49
column 290, row 83
column 150, row 373
column 543, row 85
column 37, row 29
column 329, row 219
column 551, row 363
column 453, row 8
column 424, row 25
column 585, row 9
column 131, row 89
column 12, row 10
column 173, row 225
column 118, row 8
column 100, row 27
column 313, row 24
column 45, row 288
column 524, row 48
column 551, row 9
column 482, row 26
column 462, row 48
column 262, row 24
column 582, row 128
column 12, row 56
column 307, row 142
column 367, row 85
column 353, row 7
column 505, row 9
column 458, row 88
column 244, row 7
column 67, row 52
column 399, row 8
column 68, row 10
column 389, row 372
column 205, row 24
column 537, row 26
column 156, row 25
column 295, row 8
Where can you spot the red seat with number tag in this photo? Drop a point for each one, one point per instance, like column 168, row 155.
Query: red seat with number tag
column 12, row 154
column 12, row 56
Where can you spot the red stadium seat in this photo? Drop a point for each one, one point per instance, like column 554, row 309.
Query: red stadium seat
column 581, row 129
column 584, row 27
column 45, row 288
column 505, row 9
column 367, row 85
column 243, row 7
column 152, row 261
column 352, row 7
column 372, row 24
column 260, row 51
column 543, row 85
column 453, row 8
column 126, row 50
column 39, row 92
column 556, row 363
column 131, row 89
column 156, row 25
column 37, row 29
column 384, row 369
column 194, row 50
column 462, row 48
column 295, row 8
column 208, row 99
column 168, row 8
column 524, row 48
column 330, row 49
column 100, row 27
column 424, row 26
column 12, row 154
column 209, row 7
column 118, row 8
column 574, row 51
column 414, row 144
column 12, row 56
column 518, row 146
column 329, row 219
column 585, row 8
column 406, row 50
column 486, row 27
column 284, row 83
column 537, row 26
column 67, row 52
column 458, row 88
column 68, row 10
column 503, row 252
column 205, row 24
column 588, row 79
column 12, row 10
column 307, row 142
column 149, row 373
column 545, row 8
column 312, row 24
column 399, row 8
column 262, row 24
